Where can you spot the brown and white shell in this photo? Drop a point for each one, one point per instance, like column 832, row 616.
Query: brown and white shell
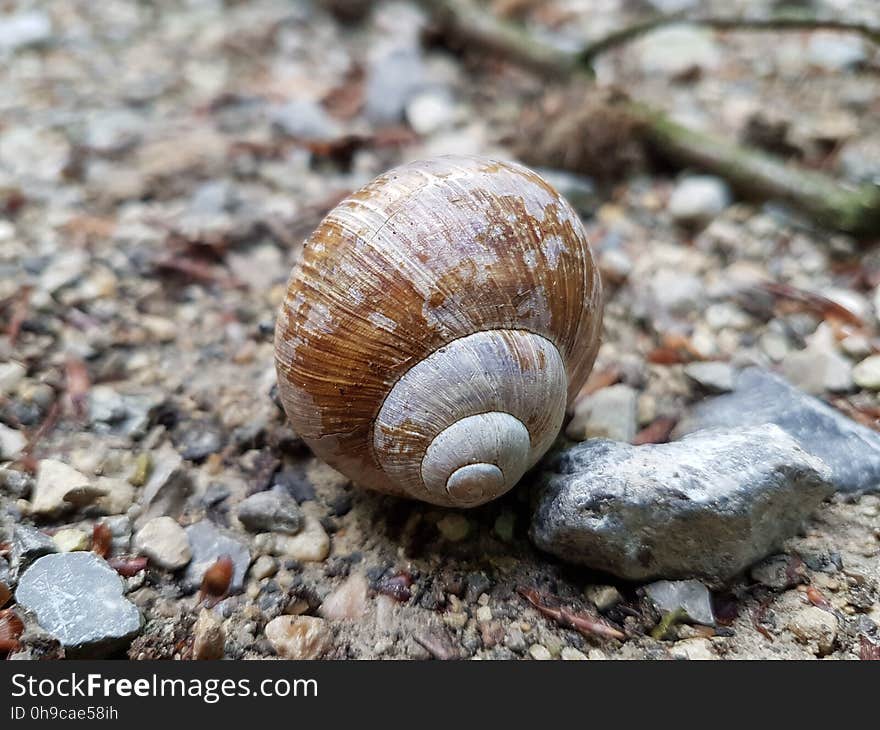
column 439, row 322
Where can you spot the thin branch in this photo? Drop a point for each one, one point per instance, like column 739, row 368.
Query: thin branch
column 851, row 209
column 630, row 33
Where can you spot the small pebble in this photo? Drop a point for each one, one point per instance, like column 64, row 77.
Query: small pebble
column 603, row 597
column 311, row 545
column 608, row 413
column 689, row 596
column 713, row 377
column 264, row 566
column 55, row 480
column 815, row 627
column 696, row 649
column 348, row 601
column 699, row 199
column 209, row 636
column 70, row 539
column 539, row 652
column 11, row 374
column 271, row 511
column 867, row 373
column 208, row 544
column 12, row 443
column 454, row 527
column 164, row 542
column 299, row 637
column 570, row 654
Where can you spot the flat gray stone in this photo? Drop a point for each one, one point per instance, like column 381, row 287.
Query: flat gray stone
column 706, row 507
column 850, row 449
column 208, row 543
column 79, row 599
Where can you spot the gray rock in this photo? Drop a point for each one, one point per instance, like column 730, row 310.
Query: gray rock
column 168, row 487
column 5, row 572
column 29, row 544
column 305, row 120
column 850, row 449
column 689, row 596
column 79, row 599
column 714, row 377
column 608, row 413
column 207, row 544
column 706, row 506
column 699, row 199
column 24, row 29
column 271, row 511
column 393, row 79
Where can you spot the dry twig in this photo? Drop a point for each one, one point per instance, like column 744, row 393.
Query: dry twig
column 852, row 209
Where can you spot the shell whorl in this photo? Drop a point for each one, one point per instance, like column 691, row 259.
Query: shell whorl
column 494, row 398
column 436, row 326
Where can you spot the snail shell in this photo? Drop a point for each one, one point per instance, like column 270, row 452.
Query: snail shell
column 439, row 322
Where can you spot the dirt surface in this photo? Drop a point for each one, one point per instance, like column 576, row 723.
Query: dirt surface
column 156, row 182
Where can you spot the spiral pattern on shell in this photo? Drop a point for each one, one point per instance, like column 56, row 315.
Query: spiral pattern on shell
column 438, row 323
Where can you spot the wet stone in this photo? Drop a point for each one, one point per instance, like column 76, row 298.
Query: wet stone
column 79, row 599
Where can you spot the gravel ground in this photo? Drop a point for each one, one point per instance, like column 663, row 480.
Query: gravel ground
column 159, row 167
